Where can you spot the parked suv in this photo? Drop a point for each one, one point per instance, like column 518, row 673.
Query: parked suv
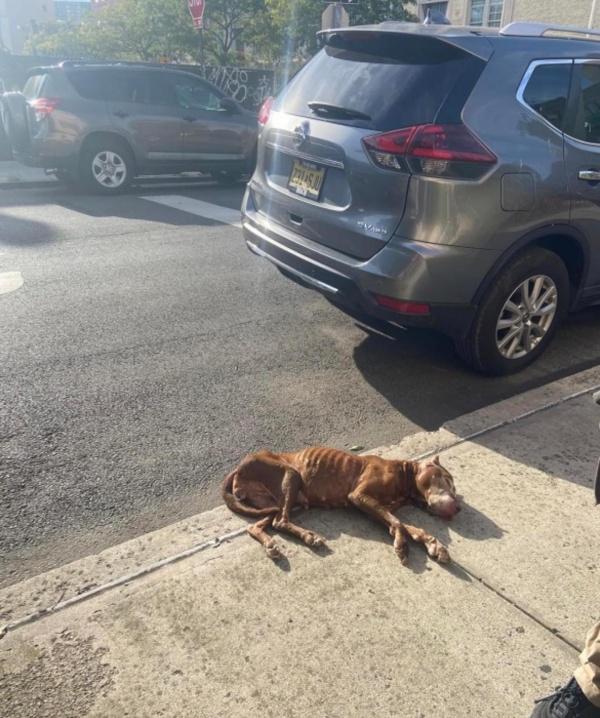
column 439, row 176
column 104, row 124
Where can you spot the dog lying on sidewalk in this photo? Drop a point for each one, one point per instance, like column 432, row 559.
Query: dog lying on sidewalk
column 268, row 486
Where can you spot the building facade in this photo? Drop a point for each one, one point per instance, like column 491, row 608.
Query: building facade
column 19, row 18
column 72, row 11
column 497, row 13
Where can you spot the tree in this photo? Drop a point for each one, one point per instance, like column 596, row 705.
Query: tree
column 277, row 33
column 151, row 30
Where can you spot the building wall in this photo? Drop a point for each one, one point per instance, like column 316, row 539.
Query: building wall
column 70, row 11
column 564, row 12
column 19, row 17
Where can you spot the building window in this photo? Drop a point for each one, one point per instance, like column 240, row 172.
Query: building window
column 486, row 12
column 439, row 6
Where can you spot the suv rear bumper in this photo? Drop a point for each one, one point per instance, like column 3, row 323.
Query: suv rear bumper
column 442, row 276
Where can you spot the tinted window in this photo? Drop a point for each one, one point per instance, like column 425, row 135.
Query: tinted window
column 547, row 92
column 195, row 95
column 33, row 86
column 587, row 120
column 88, row 83
column 397, row 81
column 160, row 89
column 123, row 86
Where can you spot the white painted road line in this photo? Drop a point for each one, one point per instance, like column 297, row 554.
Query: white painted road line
column 10, row 282
column 208, row 210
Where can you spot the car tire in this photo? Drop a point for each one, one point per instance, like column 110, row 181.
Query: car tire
column 513, row 324
column 106, row 166
column 226, row 178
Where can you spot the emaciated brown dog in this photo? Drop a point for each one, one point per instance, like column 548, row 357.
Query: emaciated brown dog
column 268, row 486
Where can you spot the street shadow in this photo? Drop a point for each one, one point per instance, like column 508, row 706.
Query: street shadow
column 19, row 232
column 470, row 524
column 132, row 205
column 419, row 373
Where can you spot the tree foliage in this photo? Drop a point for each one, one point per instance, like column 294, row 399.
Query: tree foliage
column 276, row 33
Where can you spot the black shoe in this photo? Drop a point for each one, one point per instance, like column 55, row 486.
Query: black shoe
column 567, row 702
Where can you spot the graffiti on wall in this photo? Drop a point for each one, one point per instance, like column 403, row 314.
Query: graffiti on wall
column 249, row 87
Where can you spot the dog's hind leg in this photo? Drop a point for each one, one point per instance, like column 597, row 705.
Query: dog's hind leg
column 291, row 486
column 257, row 531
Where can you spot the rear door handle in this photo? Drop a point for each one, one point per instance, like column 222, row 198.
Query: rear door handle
column 589, row 175
column 189, row 118
column 121, row 114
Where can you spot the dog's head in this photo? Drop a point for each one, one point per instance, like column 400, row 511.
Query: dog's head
column 435, row 487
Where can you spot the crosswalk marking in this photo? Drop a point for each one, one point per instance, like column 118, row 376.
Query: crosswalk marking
column 10, row 282
column 208, row 210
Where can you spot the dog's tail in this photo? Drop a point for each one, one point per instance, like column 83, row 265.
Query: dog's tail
column 238, row 506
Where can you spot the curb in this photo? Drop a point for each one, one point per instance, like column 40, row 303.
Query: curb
column 26, row 602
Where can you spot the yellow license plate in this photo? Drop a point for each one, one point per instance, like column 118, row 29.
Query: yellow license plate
column 306, row 179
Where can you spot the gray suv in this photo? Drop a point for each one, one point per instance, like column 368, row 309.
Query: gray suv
column 440, row 177
column 104, row 124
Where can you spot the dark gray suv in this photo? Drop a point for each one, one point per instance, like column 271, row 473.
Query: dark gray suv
column 104, row 124
column 439, row 176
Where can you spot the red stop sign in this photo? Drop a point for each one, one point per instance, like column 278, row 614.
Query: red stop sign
column 196, row 11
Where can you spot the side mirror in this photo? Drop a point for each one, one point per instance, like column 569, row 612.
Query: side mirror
column 229, row 105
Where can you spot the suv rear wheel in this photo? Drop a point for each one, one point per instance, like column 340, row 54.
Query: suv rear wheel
column 519, row 314
column 107, row 166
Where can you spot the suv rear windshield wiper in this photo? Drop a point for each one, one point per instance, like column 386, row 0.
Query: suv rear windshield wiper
column 343, row 113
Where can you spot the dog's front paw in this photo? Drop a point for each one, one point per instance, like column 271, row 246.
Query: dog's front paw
column 314, row 540
column 438, row 551
column 273, row 551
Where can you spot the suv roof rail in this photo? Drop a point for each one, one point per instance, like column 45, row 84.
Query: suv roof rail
column 541, row 29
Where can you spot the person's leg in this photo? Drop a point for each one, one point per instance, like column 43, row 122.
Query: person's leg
column 588, row 673
column 580, row 698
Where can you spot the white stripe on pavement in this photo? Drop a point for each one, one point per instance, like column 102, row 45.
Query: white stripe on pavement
column 208, row 210
column 10, row 282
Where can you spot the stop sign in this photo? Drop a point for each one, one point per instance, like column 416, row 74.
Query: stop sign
column 196, row 11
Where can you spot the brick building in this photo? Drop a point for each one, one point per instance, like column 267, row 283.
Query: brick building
column 496, row 13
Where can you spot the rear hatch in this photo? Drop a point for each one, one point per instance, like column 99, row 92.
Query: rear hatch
column 319, row 173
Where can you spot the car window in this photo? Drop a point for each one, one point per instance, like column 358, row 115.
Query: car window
column 587, row 120
column 395, row 84
column 33, row 86
column 196, row 95
column 160, row 89
column 89, row 84
column 547, row 92
column 123, row 86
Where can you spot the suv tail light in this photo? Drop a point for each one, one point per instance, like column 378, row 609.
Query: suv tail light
column 265, row 111
column 433, row 150
column 44, row 107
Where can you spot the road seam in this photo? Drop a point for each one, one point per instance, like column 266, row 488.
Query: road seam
column 219, row 540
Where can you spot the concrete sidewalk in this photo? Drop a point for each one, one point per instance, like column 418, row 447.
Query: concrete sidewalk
column 194, row 620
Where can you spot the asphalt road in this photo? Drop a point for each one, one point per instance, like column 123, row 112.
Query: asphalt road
column 147, row 351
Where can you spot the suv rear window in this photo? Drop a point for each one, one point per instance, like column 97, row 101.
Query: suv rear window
column 547, row 92
column 396, row 80
column 89, row 84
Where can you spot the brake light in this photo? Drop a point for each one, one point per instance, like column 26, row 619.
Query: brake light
column 434, row 150
column 265, row 111
column 44, row 107
column 401, row 306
